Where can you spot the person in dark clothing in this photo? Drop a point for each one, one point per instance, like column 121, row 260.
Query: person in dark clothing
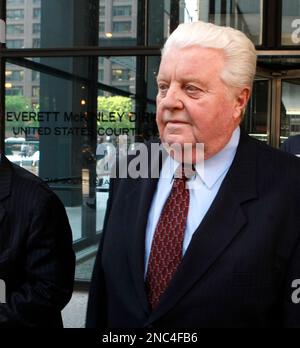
column 292, row 145
column 36, row 256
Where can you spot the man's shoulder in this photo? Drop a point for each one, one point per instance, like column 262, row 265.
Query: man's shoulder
column 272, row 160
column 292, row 145
column 275, row 153
column 295, row 139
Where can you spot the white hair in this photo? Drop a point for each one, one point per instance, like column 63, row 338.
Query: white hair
column 239, row 51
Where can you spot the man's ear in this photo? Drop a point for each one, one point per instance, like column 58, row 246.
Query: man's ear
column 241, row 101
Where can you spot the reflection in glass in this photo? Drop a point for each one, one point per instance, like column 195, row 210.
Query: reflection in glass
column 290, row 22
column 71, row 163
column 117, row 74
column 15, row 29
column 15, row 15
column 290, row 111
column 43, row 145
column 58, row 146
column 159, row 21
column 244, row 15
column 118, row 22
column 257, row 114
column 15, row 43
column 69, row 23
column 116, row 93
column 55, row 23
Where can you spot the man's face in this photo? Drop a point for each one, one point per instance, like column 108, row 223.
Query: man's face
column 193, row 103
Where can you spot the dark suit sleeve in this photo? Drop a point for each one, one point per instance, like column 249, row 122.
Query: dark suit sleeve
column 97, row 304
column 49, row 269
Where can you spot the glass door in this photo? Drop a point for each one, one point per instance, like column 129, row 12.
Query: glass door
column 256, row 120
column 258, row 115
column 273, row 112
column 290, row 114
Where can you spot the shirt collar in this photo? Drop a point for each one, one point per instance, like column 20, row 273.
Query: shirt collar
column 214, row 167
column 218, row 164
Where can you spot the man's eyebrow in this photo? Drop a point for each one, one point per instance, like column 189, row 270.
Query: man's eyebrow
column 186, row 79
column 194, row 79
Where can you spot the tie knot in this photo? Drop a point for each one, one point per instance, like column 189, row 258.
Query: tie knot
column 185, row 171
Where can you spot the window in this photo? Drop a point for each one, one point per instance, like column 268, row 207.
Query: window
column 15, row 43
column 35, row 75
column 36, row 28
column 13, row 90
column 65, row 31
column 14, row 75
column 102, row 11
column 290, row 111
column 120, row 27
column 35, row 91
column 245, row 15
column 36, row 43
column 255, row 121
column 122, row 11
column 15, row 14
column 14, row 29
column 101, row 75
column 36, row 13
column 290, row 22
column 120, row 74
column 101, row 27
column 291, row 7
column 15, row 2
column 67, row 84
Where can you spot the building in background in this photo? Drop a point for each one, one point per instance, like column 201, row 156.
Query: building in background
column 117, row 21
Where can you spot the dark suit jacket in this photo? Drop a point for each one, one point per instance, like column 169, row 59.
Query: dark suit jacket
column 292, row 145
column 36, row 256
column 239, row 267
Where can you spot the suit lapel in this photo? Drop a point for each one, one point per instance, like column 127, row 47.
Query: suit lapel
column 222, row 223
column 138, row 203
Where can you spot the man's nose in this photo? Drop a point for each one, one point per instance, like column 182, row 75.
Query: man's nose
column 172, row 100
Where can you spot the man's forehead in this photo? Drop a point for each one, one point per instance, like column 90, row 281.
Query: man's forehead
column 193, row 63
column 194, row 51
column 195, row 55
column 185, row 77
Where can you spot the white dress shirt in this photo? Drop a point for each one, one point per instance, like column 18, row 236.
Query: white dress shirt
column 202, row 195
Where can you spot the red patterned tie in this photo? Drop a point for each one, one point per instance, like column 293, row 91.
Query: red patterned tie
column 166, row 249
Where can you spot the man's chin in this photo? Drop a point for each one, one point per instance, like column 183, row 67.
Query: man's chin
column 176, row 140
column 180, row 152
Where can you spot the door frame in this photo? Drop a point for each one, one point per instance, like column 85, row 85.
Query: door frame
column 275, row 79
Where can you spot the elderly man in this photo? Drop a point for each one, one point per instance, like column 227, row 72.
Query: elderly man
column 226, row 253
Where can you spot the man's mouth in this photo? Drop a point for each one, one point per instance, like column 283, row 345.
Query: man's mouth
column 176, row 122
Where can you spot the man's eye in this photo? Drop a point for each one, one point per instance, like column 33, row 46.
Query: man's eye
column 192, row 89
column 162, row 89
